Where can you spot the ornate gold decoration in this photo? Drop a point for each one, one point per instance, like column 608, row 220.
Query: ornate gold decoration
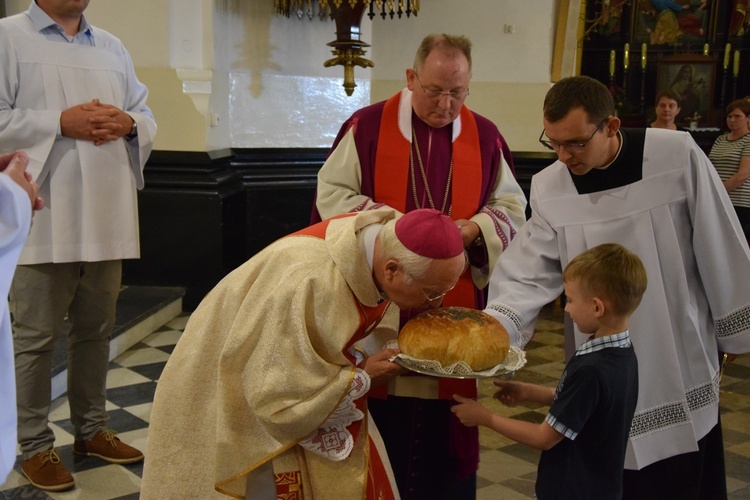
column 608, row 11
column 348, row 48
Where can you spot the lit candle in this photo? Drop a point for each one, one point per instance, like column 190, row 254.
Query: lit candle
column 611, row 63
column 736, row 71
column 643, row 55
column 705, row 50
column 626, row 56
column 727, row 51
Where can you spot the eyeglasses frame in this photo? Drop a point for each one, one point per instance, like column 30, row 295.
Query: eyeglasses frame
column 439, row 94
column 437, row 296
column 571, row 147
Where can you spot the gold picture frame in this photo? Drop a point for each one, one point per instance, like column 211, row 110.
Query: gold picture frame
column 692, row 77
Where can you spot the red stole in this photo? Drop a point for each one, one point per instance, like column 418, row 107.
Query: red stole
column 392, row 184
column 392, row 164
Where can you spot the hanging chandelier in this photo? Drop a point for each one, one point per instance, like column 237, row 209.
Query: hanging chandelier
column 348, row 48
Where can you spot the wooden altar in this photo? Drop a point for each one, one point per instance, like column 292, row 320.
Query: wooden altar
column 699, row 48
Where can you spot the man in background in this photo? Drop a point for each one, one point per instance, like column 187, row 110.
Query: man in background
column 69, row 96
column 656, row 193
column 423, row 148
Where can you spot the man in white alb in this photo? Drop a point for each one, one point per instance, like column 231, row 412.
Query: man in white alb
column 654, row 192
column 70, row 98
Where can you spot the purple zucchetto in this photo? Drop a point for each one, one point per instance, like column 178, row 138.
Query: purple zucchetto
column 429, row 233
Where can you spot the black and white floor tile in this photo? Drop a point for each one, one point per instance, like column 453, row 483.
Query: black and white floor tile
column 131, row 383
column 507, row 469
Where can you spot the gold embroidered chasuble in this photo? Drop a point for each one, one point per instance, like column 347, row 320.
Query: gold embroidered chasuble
column 261, row 365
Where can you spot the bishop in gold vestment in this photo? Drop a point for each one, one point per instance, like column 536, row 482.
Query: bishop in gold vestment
column 265, row 392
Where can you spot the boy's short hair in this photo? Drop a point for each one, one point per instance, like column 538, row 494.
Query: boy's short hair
column 611, row 272
column 579, row 92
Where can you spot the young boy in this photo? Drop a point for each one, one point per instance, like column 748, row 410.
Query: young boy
column 584, row 436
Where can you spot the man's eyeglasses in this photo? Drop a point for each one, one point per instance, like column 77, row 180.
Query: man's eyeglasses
column 437, row 94
column 432, row 297
column 571, row 147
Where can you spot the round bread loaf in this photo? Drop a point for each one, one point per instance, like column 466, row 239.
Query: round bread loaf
column 452, row 334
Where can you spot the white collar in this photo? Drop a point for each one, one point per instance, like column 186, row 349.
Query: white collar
column 405, row 112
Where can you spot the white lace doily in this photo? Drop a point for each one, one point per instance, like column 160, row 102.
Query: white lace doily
column 333, row 440
column 515, row 359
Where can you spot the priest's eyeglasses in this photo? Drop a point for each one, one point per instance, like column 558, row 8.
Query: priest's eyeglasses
column 432, row 297
column 438, row 94
column 570, row 147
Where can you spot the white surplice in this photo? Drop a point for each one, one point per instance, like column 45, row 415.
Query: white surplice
column 678, row 219
column 15, row 217
column 90, row 190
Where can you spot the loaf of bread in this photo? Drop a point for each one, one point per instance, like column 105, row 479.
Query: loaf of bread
column 452, row 334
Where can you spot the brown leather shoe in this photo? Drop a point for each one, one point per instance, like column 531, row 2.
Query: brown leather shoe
column 45, row 471
column 106, row 446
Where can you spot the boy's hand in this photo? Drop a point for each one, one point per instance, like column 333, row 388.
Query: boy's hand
column 509, row 393
column 471, row 413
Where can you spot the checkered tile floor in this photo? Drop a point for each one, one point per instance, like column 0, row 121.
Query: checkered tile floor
column 131, row 383
column 507, row 470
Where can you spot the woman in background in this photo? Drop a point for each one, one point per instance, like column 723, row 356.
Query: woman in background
column 666, row 108
column 730, row 155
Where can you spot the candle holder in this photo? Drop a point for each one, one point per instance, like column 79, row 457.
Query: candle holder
column 625, row 64
column 348, row 48
column 724, row 83
column 644, row 49
column 735, row 73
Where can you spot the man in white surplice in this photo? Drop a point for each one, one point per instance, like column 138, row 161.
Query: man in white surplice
column 655, row 192
column 69, row 96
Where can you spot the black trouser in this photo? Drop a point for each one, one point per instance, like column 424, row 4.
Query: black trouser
column 743, row 214
column 415, row 432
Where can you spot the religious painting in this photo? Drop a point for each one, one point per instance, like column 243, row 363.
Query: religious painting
column 672, row 22
column 605, row 20
column 692, row 78
column 739, row 21
column 608, row 17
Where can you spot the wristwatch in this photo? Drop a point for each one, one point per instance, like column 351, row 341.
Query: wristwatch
column 133, row 132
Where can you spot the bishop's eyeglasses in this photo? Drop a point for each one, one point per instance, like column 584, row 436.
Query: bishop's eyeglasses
column 432, row 297
column 437, row 94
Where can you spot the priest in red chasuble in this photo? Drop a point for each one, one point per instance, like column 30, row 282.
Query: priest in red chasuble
column 424, row 148
column 264, row 394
